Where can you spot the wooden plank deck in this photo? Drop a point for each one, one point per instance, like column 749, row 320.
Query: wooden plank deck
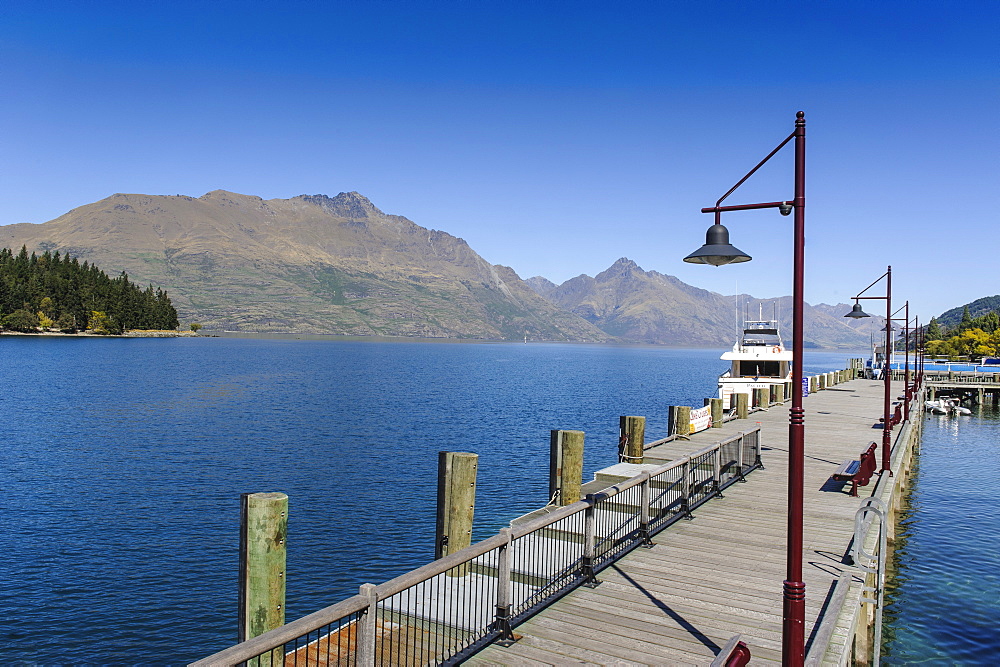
column 721, row 573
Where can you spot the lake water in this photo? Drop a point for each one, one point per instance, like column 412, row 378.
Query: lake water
column 124, row 460
column 944, row 605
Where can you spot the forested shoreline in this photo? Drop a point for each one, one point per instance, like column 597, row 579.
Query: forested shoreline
column 55, row 292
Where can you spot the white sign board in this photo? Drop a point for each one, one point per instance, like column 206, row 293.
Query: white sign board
column 701, row 419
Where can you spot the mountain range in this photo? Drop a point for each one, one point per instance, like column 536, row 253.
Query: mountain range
column 339, row 265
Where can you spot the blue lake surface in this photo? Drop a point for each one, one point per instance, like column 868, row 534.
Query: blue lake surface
column 124, row 460
column 944, row 605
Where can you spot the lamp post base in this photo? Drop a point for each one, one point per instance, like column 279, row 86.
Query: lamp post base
column 793, row 636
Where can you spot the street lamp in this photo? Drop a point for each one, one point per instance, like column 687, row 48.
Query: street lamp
column 906, row 349
column 718, row 251
column 856, row 312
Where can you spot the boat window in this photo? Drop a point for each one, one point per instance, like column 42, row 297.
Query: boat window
column 760, row 369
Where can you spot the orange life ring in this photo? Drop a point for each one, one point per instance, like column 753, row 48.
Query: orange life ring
column 776, row 349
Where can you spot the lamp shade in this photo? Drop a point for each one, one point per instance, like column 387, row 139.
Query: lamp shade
column 856, row 312
column 717, row 250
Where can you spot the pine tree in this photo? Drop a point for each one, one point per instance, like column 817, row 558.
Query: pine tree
column 933, row 331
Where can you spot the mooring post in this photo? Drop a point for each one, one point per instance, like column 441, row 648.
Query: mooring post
column 779, row 393
column 717, row 416
column 763, row 397
column 631, row 438
column 565, row 465
column 456, row 503
column 742, row 405
column 683, row 420
column 263, row 537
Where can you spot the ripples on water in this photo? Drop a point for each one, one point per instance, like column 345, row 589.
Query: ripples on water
column 123, row 463
column 944, row 605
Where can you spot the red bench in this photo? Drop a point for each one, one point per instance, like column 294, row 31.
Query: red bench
column 858, row 472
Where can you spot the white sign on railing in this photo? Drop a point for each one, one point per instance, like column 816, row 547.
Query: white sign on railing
column 701, row 419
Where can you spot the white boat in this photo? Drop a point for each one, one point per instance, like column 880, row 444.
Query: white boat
column 758, row 360
column 938, row 407
column 946, row 406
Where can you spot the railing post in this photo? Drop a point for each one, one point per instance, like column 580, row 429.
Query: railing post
column 502, row 622
column 686, row 489
column 758, row 463
column 717, row 470
column 589, row 543
column 367, row 628
column 644, row 494
column 740, row 457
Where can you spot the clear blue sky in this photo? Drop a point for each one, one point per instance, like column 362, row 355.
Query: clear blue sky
column 554, row 137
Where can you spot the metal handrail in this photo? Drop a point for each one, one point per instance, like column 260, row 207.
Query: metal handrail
column 610, row 529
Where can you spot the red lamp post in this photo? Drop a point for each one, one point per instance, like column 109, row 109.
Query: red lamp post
column 887, row 369
column 907, row 389
column 717, row 251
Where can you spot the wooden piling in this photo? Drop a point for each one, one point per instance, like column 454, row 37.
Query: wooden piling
column 263, row 546
column 683, row 420
column 456, row 502
column 762, row 397
column 717, row 416
column 779, row 393
column 632, row 434
column 566, row 465
column 742, row 405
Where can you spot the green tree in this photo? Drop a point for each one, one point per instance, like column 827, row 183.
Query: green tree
column 966, row 318
column 195, row 327
column 101, row 323
column 21, row 320
column 933, row 331
column 66, row 323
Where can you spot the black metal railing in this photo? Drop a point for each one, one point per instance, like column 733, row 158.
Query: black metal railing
column 446, row 610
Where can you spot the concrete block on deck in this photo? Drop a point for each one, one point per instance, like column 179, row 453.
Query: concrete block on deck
column 621, row 472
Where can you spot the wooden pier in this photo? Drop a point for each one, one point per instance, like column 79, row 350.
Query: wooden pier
column 721, row 573
column 662, row 561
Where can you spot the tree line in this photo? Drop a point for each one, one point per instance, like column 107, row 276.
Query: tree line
column 973, row 337
column 54, row 291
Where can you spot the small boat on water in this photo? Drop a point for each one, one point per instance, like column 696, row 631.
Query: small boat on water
column 946, row 406
column 758, row 360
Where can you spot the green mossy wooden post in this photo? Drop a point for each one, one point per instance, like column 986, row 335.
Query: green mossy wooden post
column 565, row 465
column 263, row 546
column 762, row 397
column 456, row 503
column 742, row 405
column 633, row 430
column 717, row 416
column 684, row 420
column 779, row 393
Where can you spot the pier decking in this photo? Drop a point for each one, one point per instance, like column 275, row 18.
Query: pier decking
column 719, row 574
column 528, row 596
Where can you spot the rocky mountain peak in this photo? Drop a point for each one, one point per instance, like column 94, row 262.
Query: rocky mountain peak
column 350, row 205
column 623, row 268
